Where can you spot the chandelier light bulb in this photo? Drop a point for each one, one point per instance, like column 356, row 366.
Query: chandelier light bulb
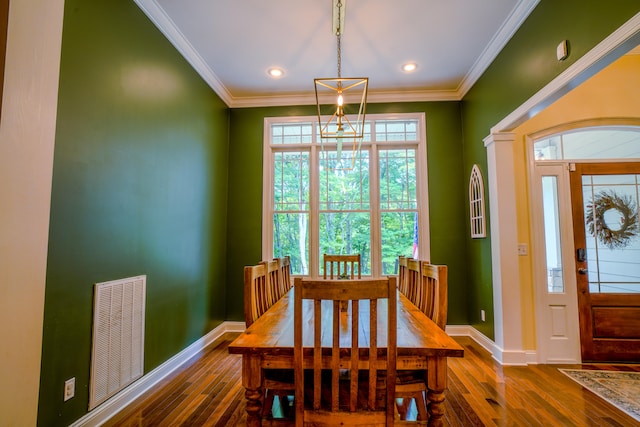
column 409, row 67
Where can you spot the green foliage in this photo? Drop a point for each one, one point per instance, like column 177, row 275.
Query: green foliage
column 344, row 202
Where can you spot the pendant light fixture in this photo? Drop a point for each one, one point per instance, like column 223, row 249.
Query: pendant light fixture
column 341, row 101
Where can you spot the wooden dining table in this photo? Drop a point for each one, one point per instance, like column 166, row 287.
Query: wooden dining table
column 268, row 344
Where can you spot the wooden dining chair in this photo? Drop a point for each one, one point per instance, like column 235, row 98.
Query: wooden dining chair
column 341, row 266
column 433, row 288
column 255, row 289
column 342, row 350
column 259, row 296
column 431, row 299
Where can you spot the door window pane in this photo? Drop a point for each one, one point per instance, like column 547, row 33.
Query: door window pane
column 553, row 248
column 611, row 232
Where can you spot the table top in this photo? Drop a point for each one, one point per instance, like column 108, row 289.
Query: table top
column 417, row 335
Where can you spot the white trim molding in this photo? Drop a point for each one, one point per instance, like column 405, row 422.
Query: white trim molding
column 165, row 24
column 517, row 17
column 504, row 249
column 619, row 42
column 517, row 358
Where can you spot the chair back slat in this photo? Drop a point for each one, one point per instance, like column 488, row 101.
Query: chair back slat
column 339, row 266
column 402, row 274
column 285, row 273
column 274, row 284
column 346, row 351
column 255, row 301
column 433, row 286
column 413, row 280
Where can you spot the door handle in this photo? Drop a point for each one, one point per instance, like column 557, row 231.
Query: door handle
column 582, row 270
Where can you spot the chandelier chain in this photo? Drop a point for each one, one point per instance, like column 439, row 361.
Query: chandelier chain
column 339, row 39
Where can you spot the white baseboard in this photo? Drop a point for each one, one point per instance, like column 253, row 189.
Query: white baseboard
column 115, row 404
column 502, row 356
column 111, row 407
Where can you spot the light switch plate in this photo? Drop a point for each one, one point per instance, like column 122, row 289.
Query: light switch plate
column 562, row 51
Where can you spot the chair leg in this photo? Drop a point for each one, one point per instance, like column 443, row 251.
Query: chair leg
column 403, row 407
column 283, row 399
column 421, row 405
column 267, row 406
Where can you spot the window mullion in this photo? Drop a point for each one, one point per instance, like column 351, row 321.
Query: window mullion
column 314, row 208
column 422, row 194
column 374, row 203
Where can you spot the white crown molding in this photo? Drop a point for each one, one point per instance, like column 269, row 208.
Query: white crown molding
column 166, row 25
column 623, row 39
column 519, row 14
column 372, row 97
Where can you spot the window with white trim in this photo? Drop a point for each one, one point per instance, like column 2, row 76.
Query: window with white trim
column 372, row 201
column 476, row 204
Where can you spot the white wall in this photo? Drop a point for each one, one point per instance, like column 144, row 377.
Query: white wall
column 27, row 133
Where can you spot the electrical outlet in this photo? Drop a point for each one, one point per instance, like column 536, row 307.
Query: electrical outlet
column 69, row 388
column 482, row 315
column 523, row 249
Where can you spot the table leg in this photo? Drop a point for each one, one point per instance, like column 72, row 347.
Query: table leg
column 252, row 382
column 436, row 384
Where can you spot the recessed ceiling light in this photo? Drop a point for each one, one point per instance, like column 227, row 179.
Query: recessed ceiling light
column 409, row 67
column 275, row 72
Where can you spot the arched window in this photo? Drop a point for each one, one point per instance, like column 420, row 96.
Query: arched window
column 476, row 204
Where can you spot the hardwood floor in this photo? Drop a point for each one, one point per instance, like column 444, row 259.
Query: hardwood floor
column 207, row 391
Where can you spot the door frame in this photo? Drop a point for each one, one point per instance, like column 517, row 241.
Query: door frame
column 544, row 326
column 556, row 314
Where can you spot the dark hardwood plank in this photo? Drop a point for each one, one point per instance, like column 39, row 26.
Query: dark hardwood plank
column 207, row 391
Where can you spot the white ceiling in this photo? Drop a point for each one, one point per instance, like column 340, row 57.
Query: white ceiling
column 233, row 43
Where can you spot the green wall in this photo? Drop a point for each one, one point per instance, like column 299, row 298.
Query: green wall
column 154, row 175
column 139, row 187
column 523, row 68
column 447, row 186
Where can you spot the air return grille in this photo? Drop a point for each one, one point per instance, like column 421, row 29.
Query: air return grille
column 118, row 337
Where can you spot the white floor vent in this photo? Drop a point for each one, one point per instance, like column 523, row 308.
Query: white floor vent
column 118, row 337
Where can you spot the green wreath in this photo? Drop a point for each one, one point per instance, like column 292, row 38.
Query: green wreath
column 597, row 226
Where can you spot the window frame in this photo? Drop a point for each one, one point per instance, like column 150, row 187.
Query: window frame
column 314, row 150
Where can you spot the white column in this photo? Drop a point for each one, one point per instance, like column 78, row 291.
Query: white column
column 507, row 304
column 27, row 134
